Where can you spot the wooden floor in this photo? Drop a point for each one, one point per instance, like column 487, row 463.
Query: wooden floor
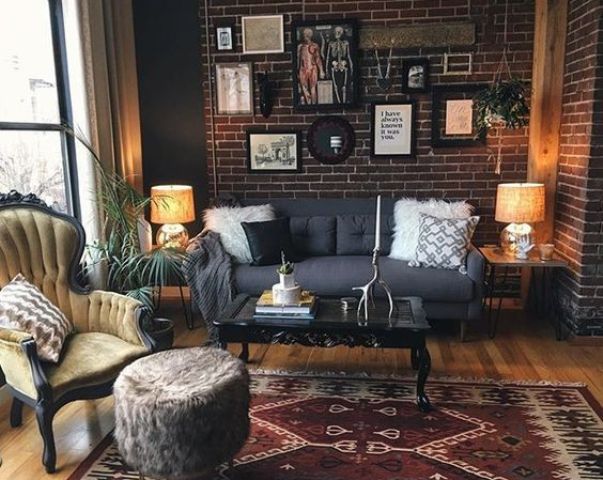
column 524, row 349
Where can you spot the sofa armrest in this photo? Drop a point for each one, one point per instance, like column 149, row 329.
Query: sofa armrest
column 118, row 315
column 476, row 265
column 16, row 363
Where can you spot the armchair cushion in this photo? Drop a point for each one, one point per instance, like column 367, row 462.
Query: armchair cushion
column 90, row 359
column 24, row 307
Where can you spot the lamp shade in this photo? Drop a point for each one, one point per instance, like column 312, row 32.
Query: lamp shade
column 172, row 204
column 520, row 202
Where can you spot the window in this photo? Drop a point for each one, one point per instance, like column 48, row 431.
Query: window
column 36, row 155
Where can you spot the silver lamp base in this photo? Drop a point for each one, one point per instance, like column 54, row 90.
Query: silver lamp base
column 172, row 235
column 368, row 292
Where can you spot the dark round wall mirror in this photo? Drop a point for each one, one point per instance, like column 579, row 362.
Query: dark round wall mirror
column 331, row 140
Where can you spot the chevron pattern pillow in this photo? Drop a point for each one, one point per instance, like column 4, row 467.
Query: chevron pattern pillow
column 444, row 242
column 24, row 307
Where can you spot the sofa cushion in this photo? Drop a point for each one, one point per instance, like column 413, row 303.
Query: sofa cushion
column 337, row 275
column 269, row 240
column 90, row 359
column 356, row 234
column 313, row 236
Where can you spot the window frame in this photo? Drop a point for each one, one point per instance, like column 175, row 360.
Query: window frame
column 68, row 146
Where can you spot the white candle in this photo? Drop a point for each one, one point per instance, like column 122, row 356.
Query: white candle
column 378, row 224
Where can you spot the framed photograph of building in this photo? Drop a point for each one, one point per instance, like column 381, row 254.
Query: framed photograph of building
column 415, row 75
column 393, row 129
column 453, row 114
column 225, row 36
column 234, row 88
column 263, row 34
column 325, row 63
column 273, row 151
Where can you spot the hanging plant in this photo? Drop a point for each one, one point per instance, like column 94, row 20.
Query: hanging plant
column 505, row 103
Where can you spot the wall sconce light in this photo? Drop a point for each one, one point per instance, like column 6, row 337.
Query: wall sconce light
column 336, row 143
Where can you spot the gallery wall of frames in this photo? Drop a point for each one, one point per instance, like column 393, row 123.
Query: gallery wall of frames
column 316, row 99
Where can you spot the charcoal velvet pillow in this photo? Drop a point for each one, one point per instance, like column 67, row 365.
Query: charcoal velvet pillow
column 267, row 240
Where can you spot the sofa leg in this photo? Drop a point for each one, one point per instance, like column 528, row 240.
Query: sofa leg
column 16, row 413
column 463, row 330
column 44, row 415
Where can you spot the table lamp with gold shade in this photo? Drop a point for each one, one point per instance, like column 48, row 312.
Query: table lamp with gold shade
column 519, row 205
column 171, row 206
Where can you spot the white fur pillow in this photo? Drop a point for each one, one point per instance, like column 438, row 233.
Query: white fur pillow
column 227, row 222
column 407, row 220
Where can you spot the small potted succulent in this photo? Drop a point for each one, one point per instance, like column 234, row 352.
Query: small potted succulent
column 505, row 103
column 285, row 272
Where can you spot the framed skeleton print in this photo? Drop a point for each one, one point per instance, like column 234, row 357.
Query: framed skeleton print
column 325, row 64
column 452, row 116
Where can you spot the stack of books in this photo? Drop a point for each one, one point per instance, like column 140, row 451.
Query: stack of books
column 303, row 312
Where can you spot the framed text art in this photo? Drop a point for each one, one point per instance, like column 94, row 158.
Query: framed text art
column 234, row 88
column 393, row 129
column 325, row 64
column 452, row 116
column 263, row 34
column 273, row 151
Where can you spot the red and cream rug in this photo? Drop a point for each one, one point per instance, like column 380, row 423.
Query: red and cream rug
column 346, row 428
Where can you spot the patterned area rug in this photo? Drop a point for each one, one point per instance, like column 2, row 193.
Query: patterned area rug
column 341, row 427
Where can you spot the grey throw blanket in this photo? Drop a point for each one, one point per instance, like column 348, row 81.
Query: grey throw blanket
column 208, row 272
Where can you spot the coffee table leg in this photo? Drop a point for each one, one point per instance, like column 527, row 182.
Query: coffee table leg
column 424, row 369
column 244, row 352
column 414, row 358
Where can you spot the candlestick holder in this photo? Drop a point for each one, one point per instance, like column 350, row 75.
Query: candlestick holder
column 368, row 290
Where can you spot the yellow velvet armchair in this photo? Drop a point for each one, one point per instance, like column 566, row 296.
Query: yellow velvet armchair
column 46, row 247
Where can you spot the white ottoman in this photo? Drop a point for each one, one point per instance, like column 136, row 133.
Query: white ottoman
column 182, row 412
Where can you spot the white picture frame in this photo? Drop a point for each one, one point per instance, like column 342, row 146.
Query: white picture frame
column 234, row 88
column 263, row 34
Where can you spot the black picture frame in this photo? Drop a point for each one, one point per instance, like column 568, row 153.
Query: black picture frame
column 413, row 63
column 219, row 27
column 413, row 129
column 326, row 29
column 252, row 164
column 443, row 93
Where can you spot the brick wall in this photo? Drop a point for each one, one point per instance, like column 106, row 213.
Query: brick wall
column 579, row 227
column 453, row 173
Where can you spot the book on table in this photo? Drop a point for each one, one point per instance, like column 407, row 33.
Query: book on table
column 306, row 306
column 302, row 313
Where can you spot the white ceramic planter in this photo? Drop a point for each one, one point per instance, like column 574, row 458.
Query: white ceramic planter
column 287, row 280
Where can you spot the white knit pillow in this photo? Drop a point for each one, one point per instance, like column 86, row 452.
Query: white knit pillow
column 407, row 219
column 24, row 307
column 227, row 222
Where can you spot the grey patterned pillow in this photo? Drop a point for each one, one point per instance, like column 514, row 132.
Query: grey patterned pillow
column 444, row 242
column 24, row 307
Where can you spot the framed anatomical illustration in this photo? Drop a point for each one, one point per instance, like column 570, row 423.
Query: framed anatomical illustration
column 325, row 64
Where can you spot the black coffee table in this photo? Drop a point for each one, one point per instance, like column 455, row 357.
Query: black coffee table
column 406, row 329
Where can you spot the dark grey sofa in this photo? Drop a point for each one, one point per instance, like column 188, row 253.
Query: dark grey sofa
column 336, row 238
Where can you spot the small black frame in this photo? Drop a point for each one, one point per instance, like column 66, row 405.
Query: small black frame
column 413, row 132
column 225, row 23
column 441, row 93
column 298, row 151
column 353, row 54
column 407, row 64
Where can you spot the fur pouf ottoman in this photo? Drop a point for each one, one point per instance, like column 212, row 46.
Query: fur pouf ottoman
column 181, row 413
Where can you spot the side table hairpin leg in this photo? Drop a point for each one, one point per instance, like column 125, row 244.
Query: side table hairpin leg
column 493, row 319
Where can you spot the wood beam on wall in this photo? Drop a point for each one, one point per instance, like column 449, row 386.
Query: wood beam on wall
column 545, row 117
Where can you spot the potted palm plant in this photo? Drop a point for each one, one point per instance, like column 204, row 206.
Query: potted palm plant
column 130, row 270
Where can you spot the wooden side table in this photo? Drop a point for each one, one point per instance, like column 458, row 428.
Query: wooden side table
column 498, row 259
